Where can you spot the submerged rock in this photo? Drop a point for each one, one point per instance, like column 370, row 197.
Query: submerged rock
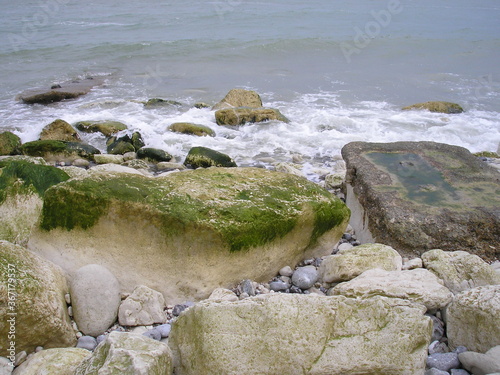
column 208, row 227
column 203, row 157
column 239, row 98
column 437, row 106
column 243, row 115
column 59, row 130
column 190, row 128
column 9, row 143
column 107, row 128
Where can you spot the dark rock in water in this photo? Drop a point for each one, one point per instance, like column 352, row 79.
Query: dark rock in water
column 243, row 115
column 59, row 151
column 57, row 93
column 60, row 130
column 189, row 128
column 202, row 157
column 153, row 154
column 108, row 128
column 239, row 98
column 122, row 145
column 417, row 196
column 155, row 103
column 9, row 143
column 441, row 107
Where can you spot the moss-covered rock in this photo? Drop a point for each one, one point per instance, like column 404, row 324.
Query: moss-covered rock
column 156, row 103
column 240, row 98
column 22, row 187
column 209, row 227
column 436, row 106
column 108, row 128
column 59, row 151
column 60, row 130
column 487, row 154
column 190, row 128
column 243, row 115
column 203, row 157
column 153, row 155
column 32, row 294
column 127, row 143
column 9, row 143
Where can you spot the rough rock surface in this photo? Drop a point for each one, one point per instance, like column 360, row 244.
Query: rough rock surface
column 472, row 319
column 243, row 115
column 301, row 334
column 107, row 128
column 349, row 263
column 56, row 93
column 239, row 98
column 203, row 157
column 418, row 285
column 9, row 143
column 59, row 151
column 418, row 196
column 128, row 354
column 59, row 130
column 53, row 362
column 203, row 226
column 460, row 270
column 33, row 289
column 437, row 106
column 143, row 307
column 95, row 296
column 190, row 128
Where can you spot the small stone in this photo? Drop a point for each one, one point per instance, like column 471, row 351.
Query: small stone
column 438, row 347
column 437, row 329
column 139, row 330
column 286, row 271
column 180, row 308
column 247, row 287
column 70, row 311
column 20, row 358
column 295, row 289
column 153, row 334
column 443, row 361
column 67, row 298
column 221, row 294
column 87, row 342
column 129, row 156
column 435, row 371
column 345, row 246
column 38, row 349
column 79, row 334
column 347, row 236
column 412, row 264
column 305, row 277
column 460, row 349
column 278, row 286
column 164, row 330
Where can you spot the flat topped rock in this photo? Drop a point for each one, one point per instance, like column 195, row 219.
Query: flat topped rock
column 417, row 196
column 56, row 93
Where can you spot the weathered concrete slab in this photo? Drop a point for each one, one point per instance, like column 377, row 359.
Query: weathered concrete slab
column 416, row 196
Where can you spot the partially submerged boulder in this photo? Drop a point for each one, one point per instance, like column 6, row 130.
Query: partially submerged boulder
column 418, row 196
column 158, row 103
column 301, row 334
column 59, row 151
column 190, row 128
column 208, row 227
column 9, row 143
column 239, row 98
column 32, row 303
column 243, row 115
column 107, row 128
column 59, row 130
column 436, row 106
column 204, row 157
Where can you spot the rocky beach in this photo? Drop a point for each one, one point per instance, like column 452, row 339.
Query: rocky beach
column 130, row 260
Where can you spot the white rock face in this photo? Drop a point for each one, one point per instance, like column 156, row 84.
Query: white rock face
column 95, row 295
column 460, row 270
column 302, row 334
column 352, row 262
column 53, row 362
column 473, row 319
column 128, row 354
column 143, row 307
column 221, row 294
column 418, row 285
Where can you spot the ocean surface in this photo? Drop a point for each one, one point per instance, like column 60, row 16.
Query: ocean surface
column 340, row 70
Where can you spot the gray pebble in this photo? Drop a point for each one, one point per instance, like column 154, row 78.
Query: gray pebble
column 286, row 271
column 181, row 307
column 437, row 329
column 154, row 334
column 100, row 338
column 164, row 330
column 247, row 287
column 295, row 289
column 305, row 277
column 347, row 236
column 278, row 286
column 435, row 371
column 443, row 361
column 438, row 347
column 86, row 342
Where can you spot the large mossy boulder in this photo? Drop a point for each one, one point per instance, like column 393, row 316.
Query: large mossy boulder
column 243, row 115
column 9, row 143
column 203, row 157
column 32, row 303
column 107, row 128
column 436, row 106
column 188, row 233
column 419, row 196
column 59, row 151
column 301, row 334
column 59, row 130
column 191, row 129
column 22, row 187
column 239, row 98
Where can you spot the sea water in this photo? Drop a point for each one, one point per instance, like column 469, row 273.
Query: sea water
column 340, row 70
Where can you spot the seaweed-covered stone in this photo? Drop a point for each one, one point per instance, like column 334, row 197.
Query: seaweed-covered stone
column 190, row 128
column 158, row 103
column 108, row 128
column 127, row 143
column 9, row 143
column 203, row 157
column 60, row 361
column 60, row 130
column 243, row 115
column 301, row 334
column 22, row 187
column 239, row 98
column 59, row 151
column 437, row 106
column 418, row 196
column 208, row 227
column 153, row 155
column 32, row 303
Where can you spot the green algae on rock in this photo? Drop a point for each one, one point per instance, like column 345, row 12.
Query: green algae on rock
column 64, row 151
column 190, row 128
column 203, row 157
column 437, row 106
column 243, row 115
column 9, row 143
column 107, row 128
column 60, row 130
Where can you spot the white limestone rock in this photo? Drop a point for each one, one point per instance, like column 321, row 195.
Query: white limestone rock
column 143, row 307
